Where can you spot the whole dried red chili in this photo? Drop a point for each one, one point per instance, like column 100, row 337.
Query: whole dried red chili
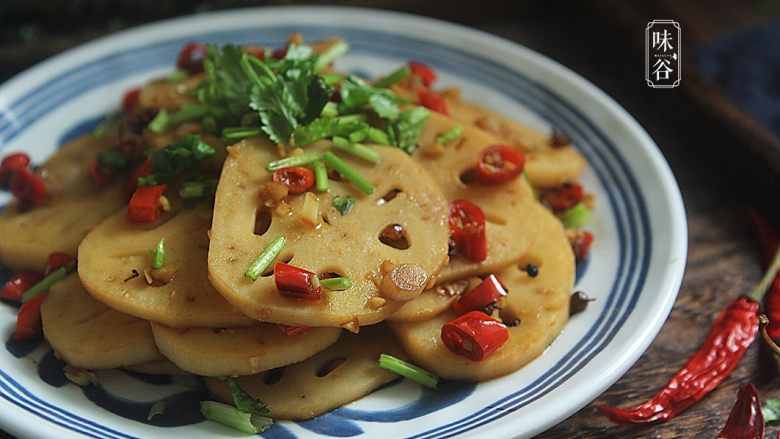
column 745, row 420
column 731, row 334
column 769, row 240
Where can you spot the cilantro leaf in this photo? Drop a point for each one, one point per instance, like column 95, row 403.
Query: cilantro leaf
column 226, row 91
column 356, row 93
column 771, row 410
column 325, row 127
column 175, row 158
column 405, row 130
column 243, row 401
column 343, row 203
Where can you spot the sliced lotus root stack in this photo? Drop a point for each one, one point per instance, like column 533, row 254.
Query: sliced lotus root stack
column 75, row 205
column 540, row 304
column 110, row 253
column 509, row 208
column 348, row 244
column 239, row 351
column 90, row 335
column 336, row 376
column 548, row 164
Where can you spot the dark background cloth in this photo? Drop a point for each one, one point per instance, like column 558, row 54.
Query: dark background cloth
column 602, row 41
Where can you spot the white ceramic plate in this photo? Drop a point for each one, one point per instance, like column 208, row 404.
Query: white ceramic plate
column 634, row 272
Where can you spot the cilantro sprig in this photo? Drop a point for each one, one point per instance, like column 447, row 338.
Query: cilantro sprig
column 175, row 158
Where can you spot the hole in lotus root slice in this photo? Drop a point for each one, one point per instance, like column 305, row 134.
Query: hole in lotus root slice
column 76, row 205
column 262, row 220
column 388, row 196
column 239, row 351
column 348, row 241
column 394, row 235
column 329, row 366
column 273, row 376
column 116, row 247
column 541, row 305
column 88, row 334
column 507, row 240
column 301, row 394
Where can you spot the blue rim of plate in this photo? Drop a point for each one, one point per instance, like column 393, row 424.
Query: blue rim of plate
column 626, row 201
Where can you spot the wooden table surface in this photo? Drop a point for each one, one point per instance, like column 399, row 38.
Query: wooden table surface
column 722, row 256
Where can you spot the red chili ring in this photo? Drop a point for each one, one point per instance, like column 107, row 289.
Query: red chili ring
column 499, row 164
column 191, row 58
column 297, row 178
column 11, row 164
column 467, row 229
column 427, row 74
column 432, row 100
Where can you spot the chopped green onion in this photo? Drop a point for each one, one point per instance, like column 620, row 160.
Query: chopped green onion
column 330, row 110
column 112, row 159
column 266, row 257
column 576, row 216
column 177, row 75
column 350, row 174
column 164, row 121
column 451, row 134
column 407, row 370
column 109, row 121
column 378, row 136
column 336, row 283
column 356, row 149
column 327, row 57
column 343, row 203
column 237, row 133
column 158, row 408
column 397, row 75
column 293, row 160
column 332, row 78
column 320, row 176
column 191, row 190
column 158, row 255
column 45, row 283
column 230, row 416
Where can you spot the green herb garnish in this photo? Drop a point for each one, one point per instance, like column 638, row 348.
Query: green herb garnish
column 378, row 136
column 164, row 121
column 158, row 255
column 405, row 131
column 356, row 149
column 238, row 133
column 350, row 174
column 243, row 400
column 326, row 127
column 327, row 57
column 451, row 134
column 336, row 283
column 112, row 159
column 293, row 160
column 249, row 423
column 576, row 216
column 771, row 410
column 396, row 76
column 45, row 283
column 158, row 408
column 175, row 158
column 320, row 176
column 266, row 257
column 356, row 94
column 407, row 370
column 197, row 189
column 343, row 203
column 177, row 75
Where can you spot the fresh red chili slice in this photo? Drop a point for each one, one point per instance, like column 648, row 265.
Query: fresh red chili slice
column 101, row 175
column 564, row 197
column 11, row 164
column 28, row 321
column 295, row 282
column 293, row 330
column 745, row 420
column 130, row 99
column 256, row 51
column 297, row 178
column 499, row 164
column 432, row 100
column 191, row 58
column 143, row 170
column 467, row 229
column 487, row 292
column 581, row 241
column 28, row 187
column 280, row 53
column 18, row 284
column 427, row 74
column 144, row 206
column 731, row 334
column 474, row 335
column 57, row 260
